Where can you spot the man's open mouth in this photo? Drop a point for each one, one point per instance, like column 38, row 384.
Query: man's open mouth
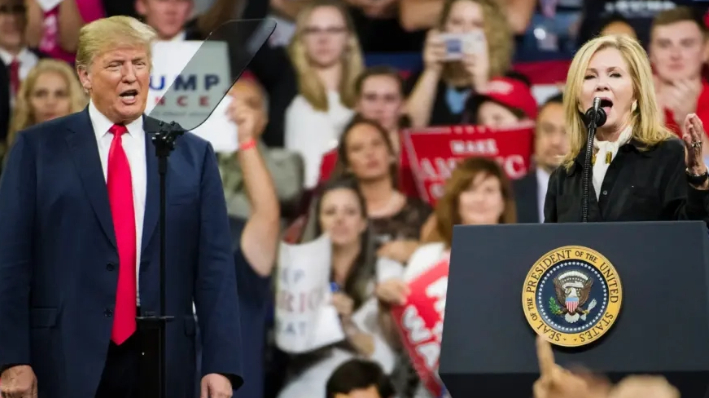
column 129, row 94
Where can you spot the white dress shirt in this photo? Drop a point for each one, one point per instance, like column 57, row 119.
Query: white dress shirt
column 134, row 147
column 542, row 185
column 27, row 59
column 182, row 36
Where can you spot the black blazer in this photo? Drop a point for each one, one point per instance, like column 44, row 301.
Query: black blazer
column 526, row 198
column 641, row 184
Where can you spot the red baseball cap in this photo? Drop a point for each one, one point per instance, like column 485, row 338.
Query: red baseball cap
column 509, row 92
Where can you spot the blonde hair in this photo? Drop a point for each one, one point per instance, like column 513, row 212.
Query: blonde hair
column 498, row 35
column 645, row 119
column 106, row 33
column 23, row 117
column 309, row 85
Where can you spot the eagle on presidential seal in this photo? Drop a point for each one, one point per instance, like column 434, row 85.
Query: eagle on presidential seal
column 572, row 291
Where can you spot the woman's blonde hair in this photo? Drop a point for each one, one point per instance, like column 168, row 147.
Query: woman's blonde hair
column 23, row 117
column 498, row 36
column 106, row 33
column 309, row 85
column 645, row 119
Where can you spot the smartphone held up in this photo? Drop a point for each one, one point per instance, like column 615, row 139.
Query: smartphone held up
column 459, row 44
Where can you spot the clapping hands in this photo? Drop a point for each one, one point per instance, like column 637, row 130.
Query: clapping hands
column 680, row 97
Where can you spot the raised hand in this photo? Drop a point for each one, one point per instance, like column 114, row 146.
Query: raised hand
column 644, row 387
column 245, row 118
column 693, row 135
column 477, row 66
column 343, row 304
column 681, row 97
column 557, row 382
column 434, row 51
column 393, row 291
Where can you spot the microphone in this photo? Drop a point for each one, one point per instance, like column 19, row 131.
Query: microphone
column 595, row 117
column 595, row 114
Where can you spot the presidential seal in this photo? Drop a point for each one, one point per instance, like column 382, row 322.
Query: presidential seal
column 572, row 296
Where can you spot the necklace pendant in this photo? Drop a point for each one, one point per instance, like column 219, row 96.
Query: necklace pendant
column 609, row 157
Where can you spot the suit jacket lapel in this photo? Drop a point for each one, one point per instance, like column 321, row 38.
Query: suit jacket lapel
column 152, row 197
column 84, row 150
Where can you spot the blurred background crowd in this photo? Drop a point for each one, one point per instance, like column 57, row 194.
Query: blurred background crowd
column 329, row 98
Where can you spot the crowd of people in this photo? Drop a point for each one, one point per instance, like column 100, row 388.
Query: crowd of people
column 329, row 120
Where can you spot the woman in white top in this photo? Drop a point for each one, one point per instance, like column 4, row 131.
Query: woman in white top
column 327, row 59
column 477, row 193
column 341, row 213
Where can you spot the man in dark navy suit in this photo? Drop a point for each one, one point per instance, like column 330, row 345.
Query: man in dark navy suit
column 79, row 246
column 550, row 145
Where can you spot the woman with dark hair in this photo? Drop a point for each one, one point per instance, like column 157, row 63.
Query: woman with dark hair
column 366, row 153
column 477, row 193
column 380, row 97
column 341, row 213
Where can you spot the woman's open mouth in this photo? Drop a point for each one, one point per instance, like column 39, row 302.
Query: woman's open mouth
column 606, row 104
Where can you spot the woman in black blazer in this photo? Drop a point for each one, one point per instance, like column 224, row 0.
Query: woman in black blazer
column 641, row 171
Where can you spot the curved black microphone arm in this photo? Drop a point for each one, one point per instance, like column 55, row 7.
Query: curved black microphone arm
column 595, row 117
column 153, row 325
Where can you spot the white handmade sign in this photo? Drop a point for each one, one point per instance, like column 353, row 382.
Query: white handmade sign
column 305, row 317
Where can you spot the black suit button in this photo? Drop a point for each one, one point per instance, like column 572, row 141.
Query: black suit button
column 110, row 266
column 108, row 312
column 605, row 192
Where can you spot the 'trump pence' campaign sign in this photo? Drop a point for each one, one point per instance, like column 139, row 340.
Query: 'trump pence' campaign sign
column 196, row 87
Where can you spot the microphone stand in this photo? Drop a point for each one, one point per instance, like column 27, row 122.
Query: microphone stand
column 152, row 326
column 594, row 119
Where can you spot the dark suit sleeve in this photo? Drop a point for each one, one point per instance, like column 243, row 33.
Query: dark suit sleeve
column 17, row 204
column 681, row 200
column 216, row 290
column 5, row 110
column 550, row 214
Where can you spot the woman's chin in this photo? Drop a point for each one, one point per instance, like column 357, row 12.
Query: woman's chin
column 479, row 219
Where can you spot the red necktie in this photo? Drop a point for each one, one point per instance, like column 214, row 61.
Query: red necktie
column 120, row 195
column 14, row 76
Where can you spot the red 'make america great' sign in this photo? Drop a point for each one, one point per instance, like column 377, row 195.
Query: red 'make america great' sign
column 420, row 323
column 434, row 152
